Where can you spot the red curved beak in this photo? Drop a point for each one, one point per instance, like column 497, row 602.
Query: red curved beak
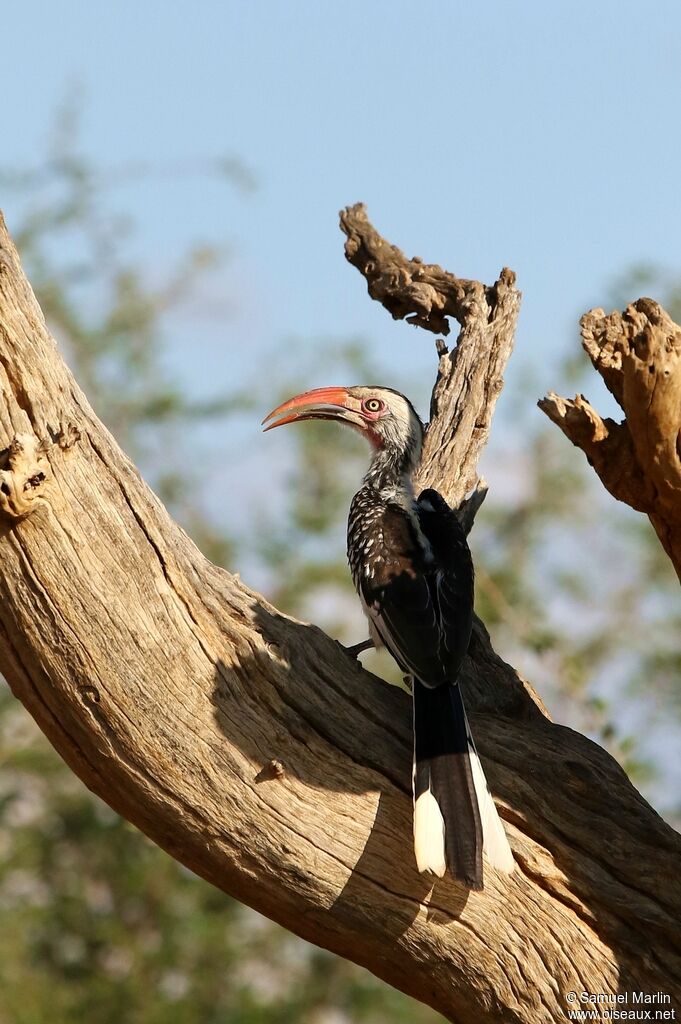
column 322, row 403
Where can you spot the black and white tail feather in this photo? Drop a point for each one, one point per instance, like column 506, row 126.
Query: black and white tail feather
column 455, row 820
column 414, row 574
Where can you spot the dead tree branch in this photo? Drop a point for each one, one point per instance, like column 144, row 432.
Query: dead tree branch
column 171, row 689
column 470, row 377
column 638, row 355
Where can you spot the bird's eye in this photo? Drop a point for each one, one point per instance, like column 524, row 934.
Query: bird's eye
column 373, row 404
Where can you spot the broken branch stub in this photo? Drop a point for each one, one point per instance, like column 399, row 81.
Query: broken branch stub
column 638, row 355
column 167, row 685
column 470, row 375
column 23, row 473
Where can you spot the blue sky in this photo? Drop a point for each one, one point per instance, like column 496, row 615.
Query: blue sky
column 542, row 136
column 539, row 136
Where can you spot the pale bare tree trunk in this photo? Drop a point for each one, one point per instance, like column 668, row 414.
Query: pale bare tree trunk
column 255, row 751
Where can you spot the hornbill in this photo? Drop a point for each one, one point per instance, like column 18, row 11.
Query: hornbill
column 412, row 569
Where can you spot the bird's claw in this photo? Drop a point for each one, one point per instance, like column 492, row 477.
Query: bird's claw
column 357, row 649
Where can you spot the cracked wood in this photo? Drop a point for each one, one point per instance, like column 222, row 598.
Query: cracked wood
column 638, row 355
column 172, row 690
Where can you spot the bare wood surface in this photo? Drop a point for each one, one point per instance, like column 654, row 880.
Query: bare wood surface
column 253, row 749
column 638, row 355
column 469, row 377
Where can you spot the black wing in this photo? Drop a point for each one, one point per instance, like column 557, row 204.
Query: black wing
column 450, row 548
column 418, row 589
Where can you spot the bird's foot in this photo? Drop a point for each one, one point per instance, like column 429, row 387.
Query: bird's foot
column 357, row 649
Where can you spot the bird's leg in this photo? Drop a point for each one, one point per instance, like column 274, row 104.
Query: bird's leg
column 357, row 649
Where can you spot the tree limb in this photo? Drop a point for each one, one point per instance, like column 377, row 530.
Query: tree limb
column 638, row 355
column 469, row 378
column 255, row 751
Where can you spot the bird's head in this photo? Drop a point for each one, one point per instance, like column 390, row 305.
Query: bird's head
column 385, row 417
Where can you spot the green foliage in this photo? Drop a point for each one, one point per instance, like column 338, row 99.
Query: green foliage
column 579, row 595
column 551, row 590
column 573, row 586
column 648, row 279
column 303, row 545
column 96, row 922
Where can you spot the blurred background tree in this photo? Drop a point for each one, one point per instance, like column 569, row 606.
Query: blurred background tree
column 98, row 924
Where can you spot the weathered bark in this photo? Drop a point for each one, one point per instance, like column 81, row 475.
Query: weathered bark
column 469, row 379
column 253, row 749
column 638, row 355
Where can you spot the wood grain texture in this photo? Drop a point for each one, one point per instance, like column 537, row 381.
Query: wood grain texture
column 172, row 690
column 638, row 355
